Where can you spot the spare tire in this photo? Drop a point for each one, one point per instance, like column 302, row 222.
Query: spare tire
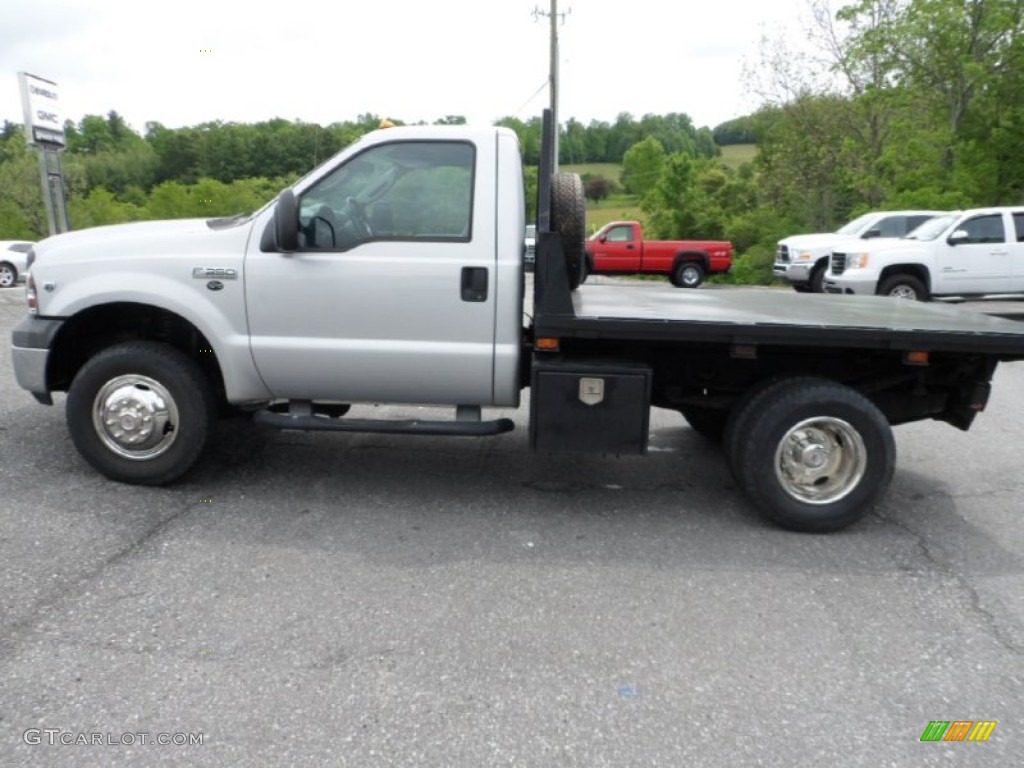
column 568, row 219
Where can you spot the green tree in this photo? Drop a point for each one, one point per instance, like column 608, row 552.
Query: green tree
column 642, row 165
column 22, row 210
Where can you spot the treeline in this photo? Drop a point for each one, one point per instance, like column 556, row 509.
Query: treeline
column 603, row 142
column 115, row 174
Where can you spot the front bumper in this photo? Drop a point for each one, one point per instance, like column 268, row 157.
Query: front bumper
column 794, row 272
column 30, row 352
column 859, row 286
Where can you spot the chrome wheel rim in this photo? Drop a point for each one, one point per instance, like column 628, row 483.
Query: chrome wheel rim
column 820, row 460
column 7, row 278
column 135, row 417
column 903, row 292
column 690, row 276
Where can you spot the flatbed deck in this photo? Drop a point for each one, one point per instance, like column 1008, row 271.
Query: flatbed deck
column 753, row 316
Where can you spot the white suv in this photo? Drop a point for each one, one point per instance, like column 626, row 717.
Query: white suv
column 13, row 254
column 803, row 259
column 964, row 253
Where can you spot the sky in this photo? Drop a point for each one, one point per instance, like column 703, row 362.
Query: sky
column 184, row 62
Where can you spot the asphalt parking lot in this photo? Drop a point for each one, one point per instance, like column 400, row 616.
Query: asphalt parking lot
column 365, row 600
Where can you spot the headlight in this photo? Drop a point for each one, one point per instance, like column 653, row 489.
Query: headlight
column 857, row 260
column 805, row 256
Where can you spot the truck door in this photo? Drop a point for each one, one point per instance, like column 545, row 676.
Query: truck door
column 391, row 295
column 977, row 263
column 617, row 250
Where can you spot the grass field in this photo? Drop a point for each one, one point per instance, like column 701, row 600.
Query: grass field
column 737, row 154
column 610, row 171
column 612, row 209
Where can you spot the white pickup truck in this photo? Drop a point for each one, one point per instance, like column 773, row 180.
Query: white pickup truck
column 964, row 253
column 394, row 273
column 802, row 260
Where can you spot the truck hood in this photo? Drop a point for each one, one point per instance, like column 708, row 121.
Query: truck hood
column 831, row 241
column 180, row 237
column 813, row 241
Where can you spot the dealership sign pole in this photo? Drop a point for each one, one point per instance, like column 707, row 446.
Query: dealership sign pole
column 44, row 130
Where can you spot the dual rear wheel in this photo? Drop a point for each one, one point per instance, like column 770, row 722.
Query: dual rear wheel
column 811, row 454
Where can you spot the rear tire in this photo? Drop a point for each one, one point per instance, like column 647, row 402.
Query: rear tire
column 140, row 412
column 814, row 455
column 903, row 287
column 689, row 274
column 568, row 219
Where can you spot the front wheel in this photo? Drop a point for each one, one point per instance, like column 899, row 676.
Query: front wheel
column 815, row 455
column 689, row 274
column 818, row 279
column 140, row 412
column 903, row 287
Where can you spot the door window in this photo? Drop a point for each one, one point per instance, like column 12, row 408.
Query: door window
column 1018, row 224
column 623, row 234
column 892, row 226
column 413, row 190
column 984, row 229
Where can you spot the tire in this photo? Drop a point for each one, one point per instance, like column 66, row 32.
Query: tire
column 8, row 275
column 736, row 425
column 817, row 284
column 138, row 381
column 689, row 274
column 584, row 270
column 707, row 422
column 903, row 287
column 568, row 219
column 815, row 455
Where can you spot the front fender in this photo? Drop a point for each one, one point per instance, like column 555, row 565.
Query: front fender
column 218, row 315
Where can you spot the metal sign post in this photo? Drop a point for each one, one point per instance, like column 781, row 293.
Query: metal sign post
column 44, row 130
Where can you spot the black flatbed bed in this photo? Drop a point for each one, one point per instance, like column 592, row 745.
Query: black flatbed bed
column 765, row 317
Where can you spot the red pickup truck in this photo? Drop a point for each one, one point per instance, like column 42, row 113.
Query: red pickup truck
column 620, row 248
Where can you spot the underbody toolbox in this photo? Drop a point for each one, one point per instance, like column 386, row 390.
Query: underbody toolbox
column 590, row 407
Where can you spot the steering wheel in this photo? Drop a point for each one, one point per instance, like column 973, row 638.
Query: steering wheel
column 323, row 218
column 356, row 213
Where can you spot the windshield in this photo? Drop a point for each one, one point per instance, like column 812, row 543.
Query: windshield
column 932, row 228
column 858, row 224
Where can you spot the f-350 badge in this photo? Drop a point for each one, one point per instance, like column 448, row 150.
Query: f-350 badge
column 221, row 273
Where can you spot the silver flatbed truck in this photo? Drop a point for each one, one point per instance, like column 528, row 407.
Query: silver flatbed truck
column 394, row 273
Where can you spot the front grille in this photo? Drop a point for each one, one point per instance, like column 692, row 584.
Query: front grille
column 838, row 263
column 782, row 254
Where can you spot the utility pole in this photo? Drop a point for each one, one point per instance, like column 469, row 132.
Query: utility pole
column 554, row 17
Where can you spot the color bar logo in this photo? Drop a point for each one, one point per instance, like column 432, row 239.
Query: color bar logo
column 958, row 730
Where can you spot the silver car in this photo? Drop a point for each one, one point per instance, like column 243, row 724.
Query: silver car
column 13, row 254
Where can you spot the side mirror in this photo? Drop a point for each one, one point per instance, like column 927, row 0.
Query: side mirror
column 603, row 239
column 958, row 237
column 872, row 233
column 286, row 222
